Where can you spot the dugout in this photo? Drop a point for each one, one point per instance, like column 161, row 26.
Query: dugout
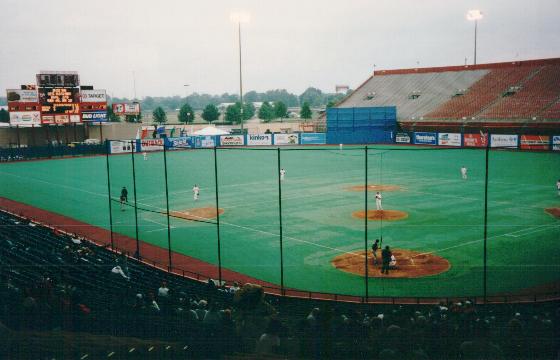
column 361, row 125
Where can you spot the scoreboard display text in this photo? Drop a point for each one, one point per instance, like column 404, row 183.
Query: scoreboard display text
column 59, row 100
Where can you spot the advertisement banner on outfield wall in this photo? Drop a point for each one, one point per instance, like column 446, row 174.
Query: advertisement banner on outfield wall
column 232, row 140
column 449, row 139
column 121, row 147
column 556, row 143
column 535, row 142
column 313, row 138
column 475, row 140
column 175, row 143
column 25, row 118
column 204, row 142
column 259, row 139
column 151, row 144
column 402, row 138
column 497, row 140
column 425, row 138
column 286, row 139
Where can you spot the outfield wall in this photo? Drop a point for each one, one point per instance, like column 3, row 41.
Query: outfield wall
column 512, row 141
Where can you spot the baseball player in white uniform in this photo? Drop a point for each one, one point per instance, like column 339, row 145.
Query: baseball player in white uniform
column 558, row 186
column 145, row 155
column 196, row 192
column 282, row 174
column 378, row 199
column 464, row 172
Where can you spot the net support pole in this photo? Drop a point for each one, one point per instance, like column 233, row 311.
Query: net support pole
column 33, row 135
column 49, row 144
column 218, row 215
column 132, row 146
column 366, row 271
column 17, row 135
column 107, row 144
column 167, row 207
column 281, row 238
column 485, row 268
column 381, row 183
column 101, row 131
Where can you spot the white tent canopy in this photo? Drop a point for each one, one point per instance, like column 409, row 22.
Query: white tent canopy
column 211, row 130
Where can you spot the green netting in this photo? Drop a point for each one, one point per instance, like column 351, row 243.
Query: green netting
column 445, row 213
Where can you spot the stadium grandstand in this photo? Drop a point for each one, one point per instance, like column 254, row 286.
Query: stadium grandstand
column 103, row 304
column 517, row 94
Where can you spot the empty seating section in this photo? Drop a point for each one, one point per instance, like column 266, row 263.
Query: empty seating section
column 552, row 112
column 399, row 89
column 535, row 94
column 483, row 93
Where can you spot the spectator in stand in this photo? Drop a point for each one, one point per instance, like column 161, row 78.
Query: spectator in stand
column 117, row 270
column 163, row 291
column 152, row 303
column 312, row 317
column 234, row 288
column 480, row 347
column 269, row 342
column 201, row 310
column 212, row 318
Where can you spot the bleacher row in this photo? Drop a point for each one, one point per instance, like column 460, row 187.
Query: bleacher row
column 63, row 297
column 517, row 91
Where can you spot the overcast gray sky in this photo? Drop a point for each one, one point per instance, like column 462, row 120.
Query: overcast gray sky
column 289, row 44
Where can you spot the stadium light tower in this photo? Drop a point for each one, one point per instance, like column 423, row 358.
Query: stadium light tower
column 240, row 17
column 474, row 15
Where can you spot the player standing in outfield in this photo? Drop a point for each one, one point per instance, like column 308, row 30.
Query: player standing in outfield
column 374, row 249
column 378, row 199
column 196, row 192
column 145, row 155
column 282, row 174
column 464, row 172
column 124, row 197
column 558, row 186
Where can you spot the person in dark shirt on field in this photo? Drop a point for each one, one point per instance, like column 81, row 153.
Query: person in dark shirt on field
column 124, row 197
column 374, row 249
column 386, row 259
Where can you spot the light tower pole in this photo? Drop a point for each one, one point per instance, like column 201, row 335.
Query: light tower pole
column 240, row 17
column 474, row 15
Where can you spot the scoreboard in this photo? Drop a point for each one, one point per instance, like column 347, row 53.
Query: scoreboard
column 60, row 104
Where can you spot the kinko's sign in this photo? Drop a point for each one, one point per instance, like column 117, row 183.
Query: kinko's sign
column 259, row 139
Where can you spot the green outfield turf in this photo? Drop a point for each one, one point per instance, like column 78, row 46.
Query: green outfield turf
column 446, row 213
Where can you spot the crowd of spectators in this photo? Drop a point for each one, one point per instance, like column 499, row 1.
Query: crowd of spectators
column 69, row 284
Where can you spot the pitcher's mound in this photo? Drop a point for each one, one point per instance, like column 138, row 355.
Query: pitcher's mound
column 410, row 264
column 205, row 213
column 389, row 215
column 554, row 212
column 374, row 187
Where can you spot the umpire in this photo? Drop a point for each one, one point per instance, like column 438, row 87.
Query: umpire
column 386, row 259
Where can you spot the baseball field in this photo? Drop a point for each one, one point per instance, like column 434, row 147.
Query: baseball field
column 438, row 237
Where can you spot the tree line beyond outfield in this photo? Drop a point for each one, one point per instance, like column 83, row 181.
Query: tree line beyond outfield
column 315, row 97
column 233, row 114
